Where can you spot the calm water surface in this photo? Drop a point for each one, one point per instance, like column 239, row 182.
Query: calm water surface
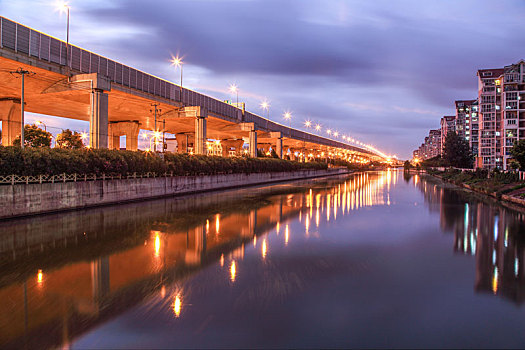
column 376, row 259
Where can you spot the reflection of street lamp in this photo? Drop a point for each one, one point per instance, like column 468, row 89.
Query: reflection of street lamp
column 38, row 122
column 235, row 90
column 177, row 62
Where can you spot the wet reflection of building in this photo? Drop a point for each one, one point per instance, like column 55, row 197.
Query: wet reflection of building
column 489, row 232
column 64, row 274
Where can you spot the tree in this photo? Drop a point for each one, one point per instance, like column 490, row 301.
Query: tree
column 457, row 152
column 518, row 153
column 34, row 137
column 407, row 165
column 70, row 140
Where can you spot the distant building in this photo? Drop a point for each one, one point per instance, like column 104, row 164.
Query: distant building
column 513, row 108
column 448, row 124
column 490, row 122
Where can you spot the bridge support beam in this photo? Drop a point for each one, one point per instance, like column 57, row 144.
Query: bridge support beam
column 98, row 120
column 278, row 143
column 11, row 120
column 253, row 143
column 199, row 146
column 227, row 145
column 183, row 142
column 129, row 129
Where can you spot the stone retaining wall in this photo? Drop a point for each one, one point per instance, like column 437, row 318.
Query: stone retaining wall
column 22, row 199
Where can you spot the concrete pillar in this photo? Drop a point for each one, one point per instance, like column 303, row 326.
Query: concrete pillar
column 265, row 147
column 279, row 147
column 128, row 128
column 253, row 143
column 199, row 146
column 182, row 143
column 11, row 120
column 228, row 144
column 113, row 137
column 98, row 120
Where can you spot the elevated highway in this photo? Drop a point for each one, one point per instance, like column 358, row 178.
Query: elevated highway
column 117, row 100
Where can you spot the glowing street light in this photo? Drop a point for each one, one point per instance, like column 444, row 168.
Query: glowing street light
column 38, row 122
column 308, row 124
column 235, row 90
column 177, row 62
column 336, row 134
column 265, row 105
column 63, row 7
column 318, row 128
column 329, row 132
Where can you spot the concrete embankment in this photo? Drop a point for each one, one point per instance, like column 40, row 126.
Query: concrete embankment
column 29, row 199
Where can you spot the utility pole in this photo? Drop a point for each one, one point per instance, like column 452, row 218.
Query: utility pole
column 22, row 72
column 163, row 134
column 155, row 125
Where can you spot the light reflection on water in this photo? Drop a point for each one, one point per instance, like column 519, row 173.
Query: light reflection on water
column 163, row 255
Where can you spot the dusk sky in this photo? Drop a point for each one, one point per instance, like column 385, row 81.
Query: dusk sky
column 383, row 72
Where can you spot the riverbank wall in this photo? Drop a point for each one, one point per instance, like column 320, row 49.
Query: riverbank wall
column 505, row 199
column 39, row 198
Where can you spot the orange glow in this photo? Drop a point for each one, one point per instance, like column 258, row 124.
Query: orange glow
column 286, row 235
column 222, row 260
column 177, row 306
column 495, row 281
column 39, row 277
column 207, row 226
column 233, row 271
column 264, row 249
column 217, row 223
column 278, row 227
column 163, row 292
column 157, row 244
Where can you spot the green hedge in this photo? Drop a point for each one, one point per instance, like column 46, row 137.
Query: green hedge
column 55, row 161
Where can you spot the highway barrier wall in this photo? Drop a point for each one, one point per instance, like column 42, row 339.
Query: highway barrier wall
column 38, row 198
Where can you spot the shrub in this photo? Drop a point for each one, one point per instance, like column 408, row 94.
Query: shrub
column 55, row 161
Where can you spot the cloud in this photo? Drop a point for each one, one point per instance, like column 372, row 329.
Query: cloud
column 372, row 68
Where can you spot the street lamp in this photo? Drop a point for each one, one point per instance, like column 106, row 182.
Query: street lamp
column 177, row 62
column 38, row 122
column 318, row 128
column 63, row 7
column 308, row 124
column 265, row 105
column 235, row 90
column 329, row 132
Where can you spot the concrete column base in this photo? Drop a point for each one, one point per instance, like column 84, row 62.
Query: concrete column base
column 129, row 128
column 98, row 120
column 253, row 143
column 11, row 120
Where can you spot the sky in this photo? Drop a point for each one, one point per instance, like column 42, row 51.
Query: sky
column 381, row 71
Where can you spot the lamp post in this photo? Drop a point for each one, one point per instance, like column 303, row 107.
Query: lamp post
column 265, row 105
column 318, row 128
column 288, row 116
column 235, row 90
column 63, row 7
column 177, row 62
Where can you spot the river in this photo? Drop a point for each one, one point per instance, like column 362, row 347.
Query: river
column 376, row 259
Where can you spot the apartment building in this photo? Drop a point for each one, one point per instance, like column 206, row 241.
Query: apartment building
column 490, row 121
column 448, row 124
column 513, row 108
